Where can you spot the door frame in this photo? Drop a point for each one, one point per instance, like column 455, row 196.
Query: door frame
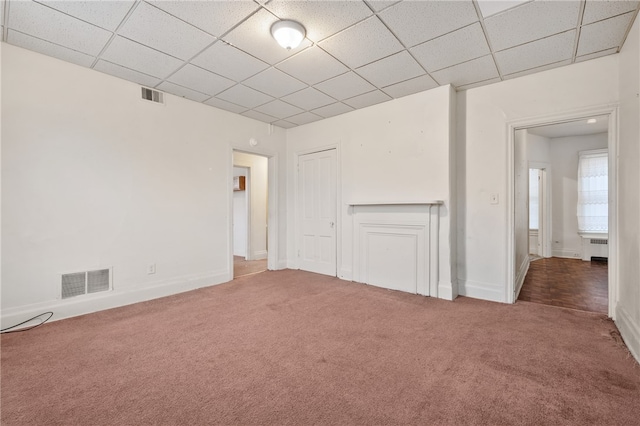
column 297, row 208
column 545, row 206
column 272, row 208
column 611, row 110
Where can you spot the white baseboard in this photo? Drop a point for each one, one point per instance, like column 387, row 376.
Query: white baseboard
column 345, row 274
column 567, row 253
column 259, row 255
column 479, row 290
column 445, row 291
column 100, row 301
column 282, row 264
column 629, row 330
column 522, row 273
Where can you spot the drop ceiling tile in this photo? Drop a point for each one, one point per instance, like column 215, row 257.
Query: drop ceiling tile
column 48, row 24
column 538, row 53
column 468, row 72
column 597, row 54
column 229, row 62
column 456, row 47
column 304, row 118
column 492, row 7
column 538, row 69
column 531, row 21
column 244, row 96
column 345, row 86
column 312, row 66
column 603, row 34
column 126, row 73
column 259, row 116
column 155, row 28
column 309, row 98
column 478, row 84
column 321, row 19
column 418, row 21
column 254, row 37
column 284, row 124
column 183, row 92
column 392, row 69
column 279, row 109
column 332, row 110
column 141, row 58
column 105, row 14
column 200, row 80
column 274, row 82
column 598, row 10
column 409, row 87
column 214, row 17
column 368, row 99
column 379, row 5
column 363, row 43
column 37, row 45
column 227, row 106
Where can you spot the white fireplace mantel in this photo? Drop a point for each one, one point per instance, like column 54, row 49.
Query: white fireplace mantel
column 396, row 245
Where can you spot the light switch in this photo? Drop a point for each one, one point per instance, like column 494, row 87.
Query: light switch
column 493, row 199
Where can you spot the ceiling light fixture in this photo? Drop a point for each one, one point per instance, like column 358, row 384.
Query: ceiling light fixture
column 592, row 121
column 288, row 34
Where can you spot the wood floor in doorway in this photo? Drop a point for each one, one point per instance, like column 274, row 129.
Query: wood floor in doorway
column 570, row 283
column 246, row 267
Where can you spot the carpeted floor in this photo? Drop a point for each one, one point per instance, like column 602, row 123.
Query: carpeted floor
column 289, row 347
column 247, row 267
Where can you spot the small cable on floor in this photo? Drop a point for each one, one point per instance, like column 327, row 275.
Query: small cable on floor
column 7, row 330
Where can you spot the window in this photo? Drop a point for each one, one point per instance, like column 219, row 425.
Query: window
column 593, row 194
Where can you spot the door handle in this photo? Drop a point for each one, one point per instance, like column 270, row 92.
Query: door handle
column 331, row 224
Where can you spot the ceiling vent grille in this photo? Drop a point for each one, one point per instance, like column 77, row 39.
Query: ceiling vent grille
column 152, row 95
column 80, row 283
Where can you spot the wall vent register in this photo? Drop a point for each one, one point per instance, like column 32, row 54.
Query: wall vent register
column 152, row 95
column 81, row 283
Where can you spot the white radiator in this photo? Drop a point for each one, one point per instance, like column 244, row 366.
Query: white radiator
column 595, row 246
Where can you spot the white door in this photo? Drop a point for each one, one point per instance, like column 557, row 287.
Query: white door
column 317, row 212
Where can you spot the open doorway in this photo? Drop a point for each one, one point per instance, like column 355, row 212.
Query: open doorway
column 250, row 213
column 565, row 181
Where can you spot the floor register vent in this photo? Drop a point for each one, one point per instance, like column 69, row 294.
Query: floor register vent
column 80, row 283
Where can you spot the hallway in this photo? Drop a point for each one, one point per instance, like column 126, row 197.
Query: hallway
column 569, row 283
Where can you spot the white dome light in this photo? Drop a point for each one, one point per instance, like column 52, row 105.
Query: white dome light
column 288, row 34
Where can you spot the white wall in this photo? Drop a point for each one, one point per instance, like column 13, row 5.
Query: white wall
column 240, row 219
column 93, row 176
column 538, row 148
column 398, row 151
column 483, row 164
column 521, row 201
column 565, row 240
column 628, row 308
column 257, row 185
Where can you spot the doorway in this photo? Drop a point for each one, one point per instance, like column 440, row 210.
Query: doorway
column 561, row 277
column 250, row 215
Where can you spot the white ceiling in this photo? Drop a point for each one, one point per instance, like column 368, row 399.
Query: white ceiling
column 573, row 128
column 356, row 53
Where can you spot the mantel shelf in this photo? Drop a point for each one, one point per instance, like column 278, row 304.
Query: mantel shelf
column 396, row 203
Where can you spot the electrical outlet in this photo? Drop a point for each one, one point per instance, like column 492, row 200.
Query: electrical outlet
column 151, row 269
column 493, row 198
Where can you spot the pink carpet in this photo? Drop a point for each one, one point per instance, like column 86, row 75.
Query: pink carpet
column 296, row 348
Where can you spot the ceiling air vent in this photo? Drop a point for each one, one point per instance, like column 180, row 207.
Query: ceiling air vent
column 152, row 95
column 80, row 283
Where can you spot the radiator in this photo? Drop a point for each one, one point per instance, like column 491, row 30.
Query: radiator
column 594, row 247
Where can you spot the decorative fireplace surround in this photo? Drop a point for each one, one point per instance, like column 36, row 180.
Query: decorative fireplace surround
column 396, row 245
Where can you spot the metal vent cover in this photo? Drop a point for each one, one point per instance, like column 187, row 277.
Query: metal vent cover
column 598, row 241
column 152, row 95
column 80, row 283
